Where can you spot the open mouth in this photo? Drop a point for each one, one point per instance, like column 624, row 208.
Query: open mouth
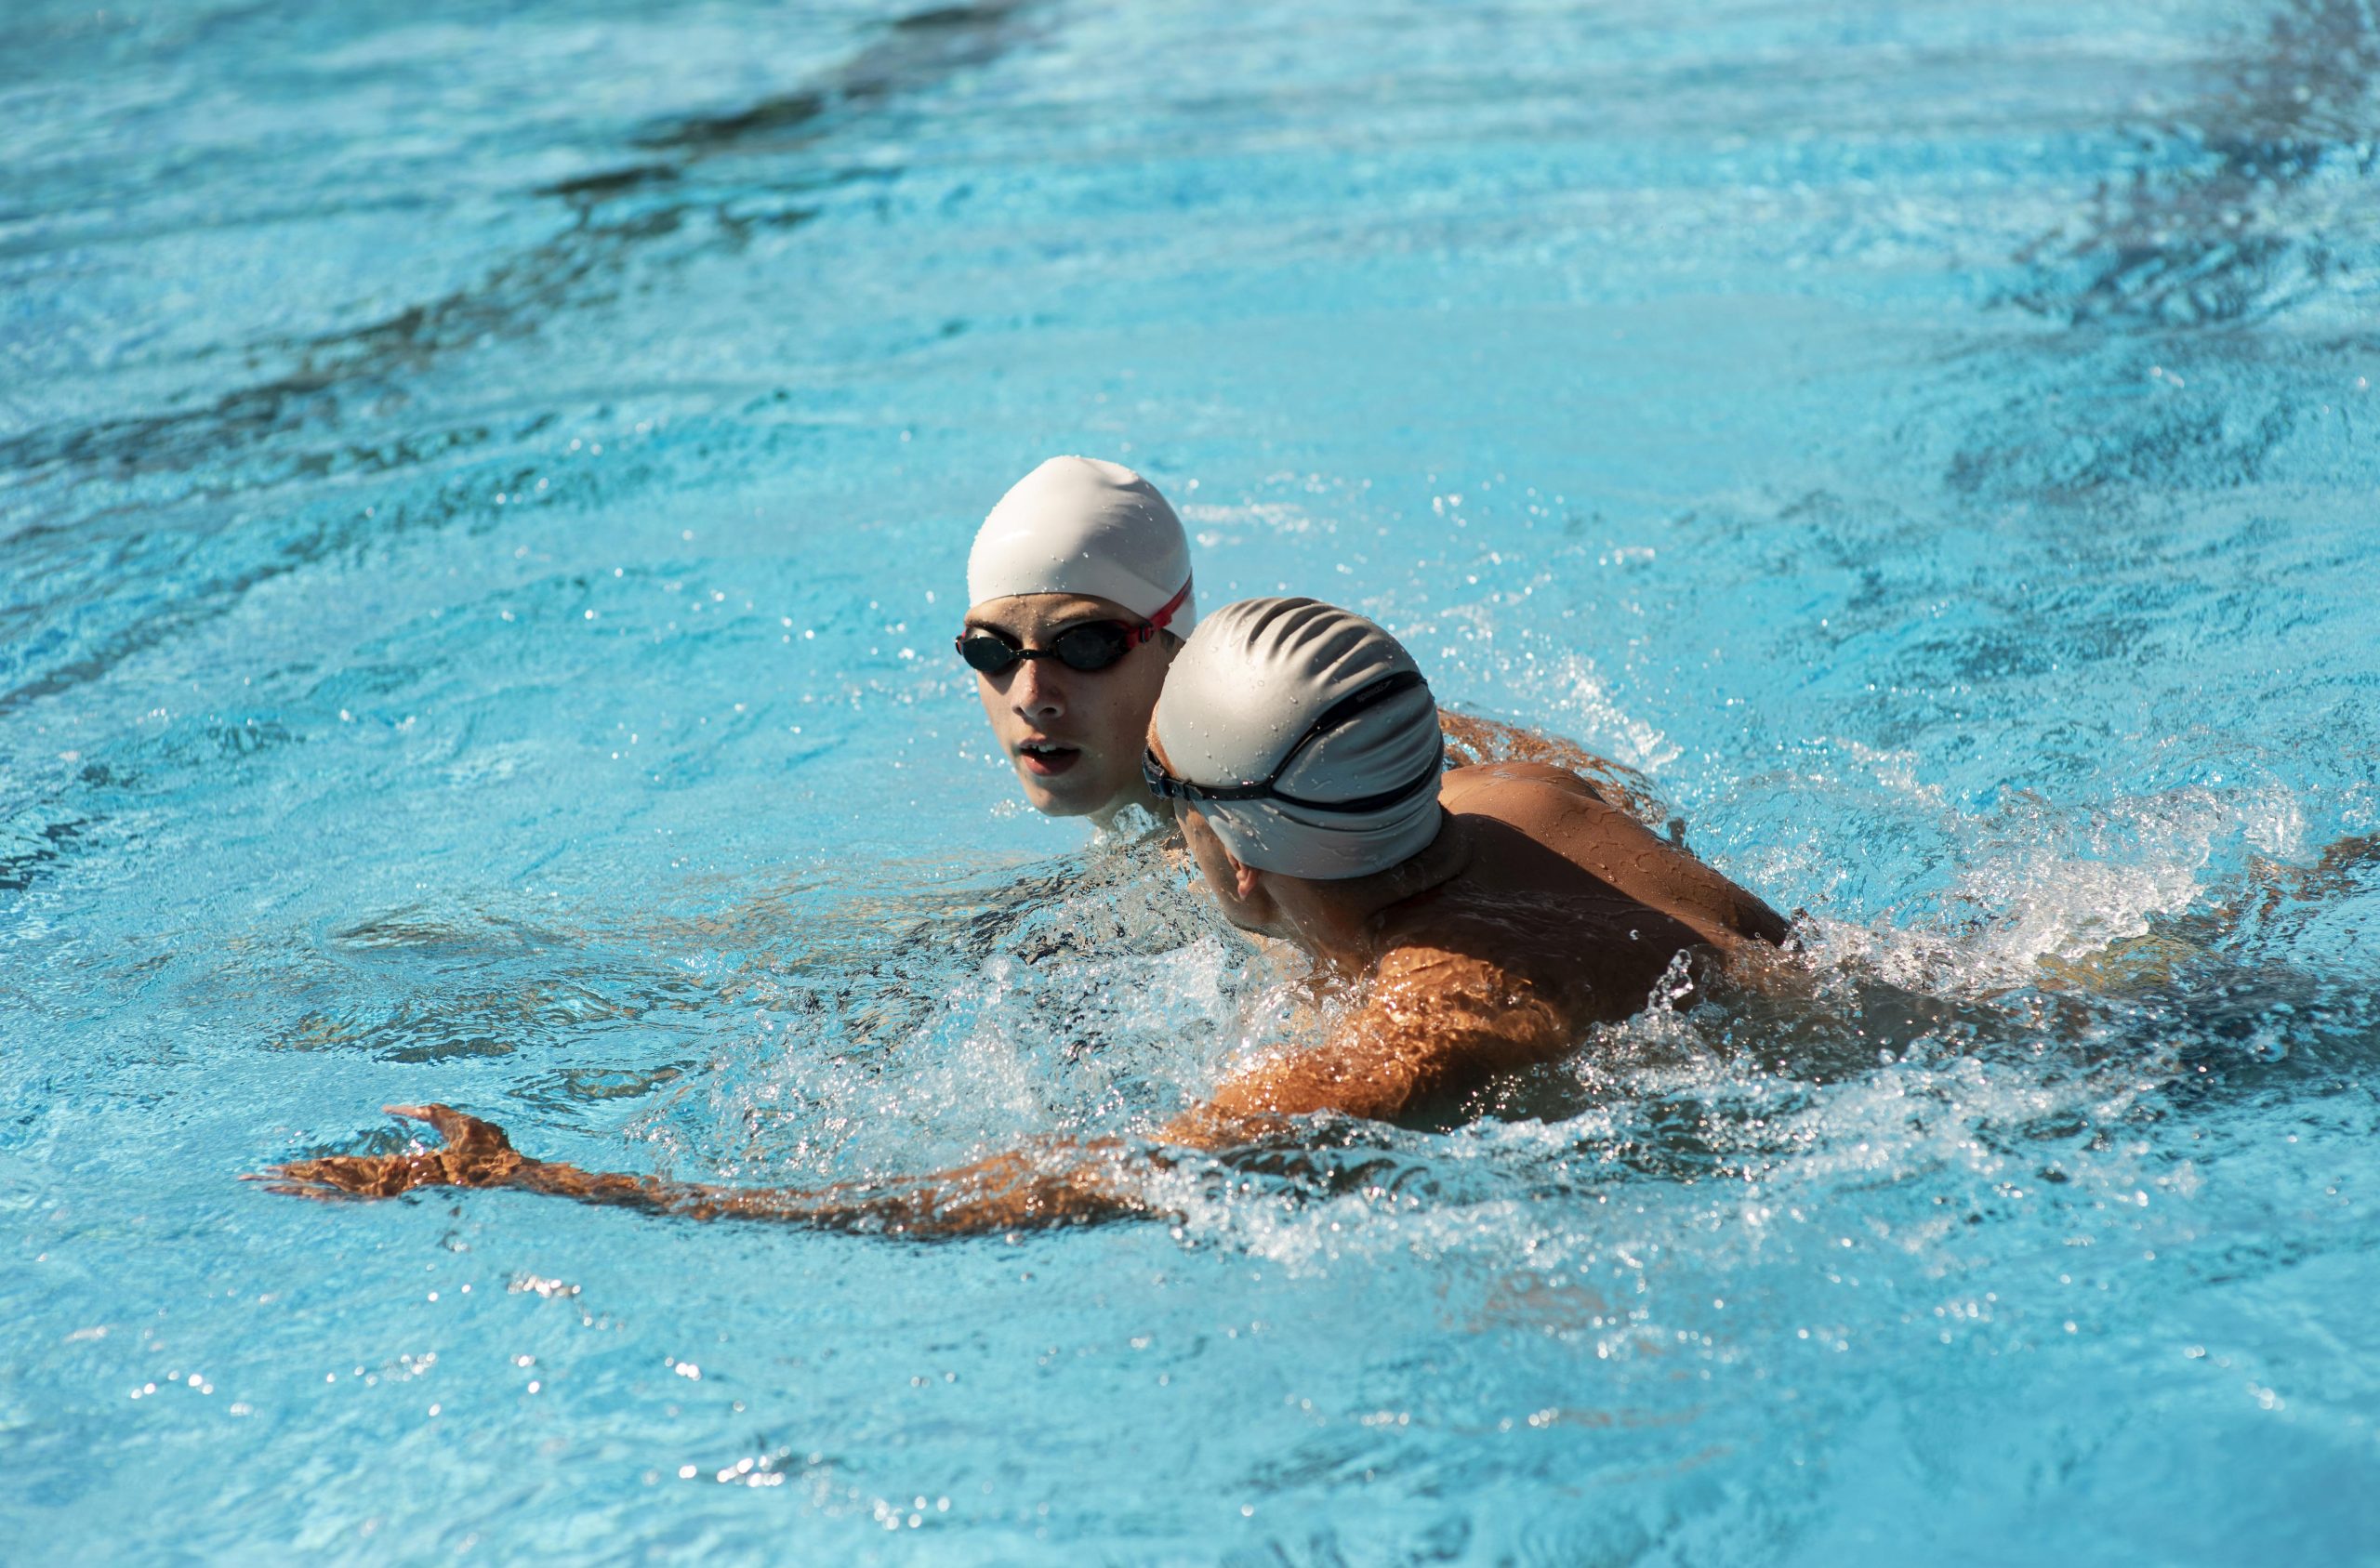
column 1048, row 758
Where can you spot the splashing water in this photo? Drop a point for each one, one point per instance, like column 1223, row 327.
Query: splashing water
column 481, row 503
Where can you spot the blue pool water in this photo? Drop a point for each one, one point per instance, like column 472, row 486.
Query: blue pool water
column 484, row 492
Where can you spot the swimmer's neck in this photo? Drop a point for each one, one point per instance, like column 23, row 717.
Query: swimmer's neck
column 1344, row 925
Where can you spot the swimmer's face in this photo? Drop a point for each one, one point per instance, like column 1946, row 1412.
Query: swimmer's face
column 1240, row 895
column 1074, row 736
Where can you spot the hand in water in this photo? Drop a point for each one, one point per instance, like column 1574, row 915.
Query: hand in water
column 1069, row 1184
column 477, row 1155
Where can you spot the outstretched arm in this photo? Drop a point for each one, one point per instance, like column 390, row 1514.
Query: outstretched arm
column 1057, row 1184
column 1435, row 1024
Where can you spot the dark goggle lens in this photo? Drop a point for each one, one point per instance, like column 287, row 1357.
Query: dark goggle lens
column 1092, row 645
column 988, row 653
column 1095, row 645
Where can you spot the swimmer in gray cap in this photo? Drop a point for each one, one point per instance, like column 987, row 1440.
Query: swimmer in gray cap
column 1079, row 591
column 1485, row 916
column 1476, row 923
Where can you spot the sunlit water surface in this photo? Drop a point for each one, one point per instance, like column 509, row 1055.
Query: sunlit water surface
column 483, row 503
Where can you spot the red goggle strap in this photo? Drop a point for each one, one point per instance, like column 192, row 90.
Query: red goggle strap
column 1156, row 622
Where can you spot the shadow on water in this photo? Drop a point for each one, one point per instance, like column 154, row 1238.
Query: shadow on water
column 914, row 51
column 615, row 217
column 355, row 381
column 2189, row 238
column 32, row 839
column 2248, row 207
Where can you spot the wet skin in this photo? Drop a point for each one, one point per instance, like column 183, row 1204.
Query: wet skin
column 1540, row 909
column 1073, row 736
column 1537, row 910
column 1474, row 742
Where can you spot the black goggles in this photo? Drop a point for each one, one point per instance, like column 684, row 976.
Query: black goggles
column 1165, row 787
column 1092, row 645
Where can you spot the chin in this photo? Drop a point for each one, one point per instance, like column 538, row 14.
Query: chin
column 1053, row 803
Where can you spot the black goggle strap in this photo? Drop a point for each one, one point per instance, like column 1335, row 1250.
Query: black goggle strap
column 1386, row 797
column 1345, row 708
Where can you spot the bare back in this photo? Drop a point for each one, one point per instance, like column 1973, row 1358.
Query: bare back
column 1568, row 896
column 1560, row 911
column 1607, row 851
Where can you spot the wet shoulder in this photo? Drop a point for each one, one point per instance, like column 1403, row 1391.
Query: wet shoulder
column 1550, row 831
column 1444, row 1000
column 1538, row 798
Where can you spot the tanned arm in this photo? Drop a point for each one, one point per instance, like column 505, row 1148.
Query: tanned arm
column 1435, row 1025
column 1062, row 1183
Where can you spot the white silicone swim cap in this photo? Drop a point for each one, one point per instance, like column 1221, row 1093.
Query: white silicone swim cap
column 1245, row 694
column 1079, row 525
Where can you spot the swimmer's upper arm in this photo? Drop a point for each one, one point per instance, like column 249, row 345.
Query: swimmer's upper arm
column 1435, row 1025
column 1540, row 772
column 1615, row 846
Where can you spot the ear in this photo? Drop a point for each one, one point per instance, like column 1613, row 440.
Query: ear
column 1244, row 878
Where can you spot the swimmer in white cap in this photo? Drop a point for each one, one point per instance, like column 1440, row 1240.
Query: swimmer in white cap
column 1477, row 923
column 1079, row 591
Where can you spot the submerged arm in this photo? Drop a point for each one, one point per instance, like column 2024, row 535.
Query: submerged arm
column 1057, row 1184
column 1424, row 1033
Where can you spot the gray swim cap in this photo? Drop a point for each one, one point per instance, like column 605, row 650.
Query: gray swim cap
column 1244, row 696
column 1079, row 525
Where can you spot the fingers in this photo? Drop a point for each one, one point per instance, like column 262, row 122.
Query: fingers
column 315, row 1191
column 477, row 1155
column 347, row 1172
column 459, row 1128
column 367, row 1176
column 348, row 1175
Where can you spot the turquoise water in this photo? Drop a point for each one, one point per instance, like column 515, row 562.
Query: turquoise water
column 483, row 502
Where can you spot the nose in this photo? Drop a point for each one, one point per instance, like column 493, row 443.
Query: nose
column 1035, row 692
